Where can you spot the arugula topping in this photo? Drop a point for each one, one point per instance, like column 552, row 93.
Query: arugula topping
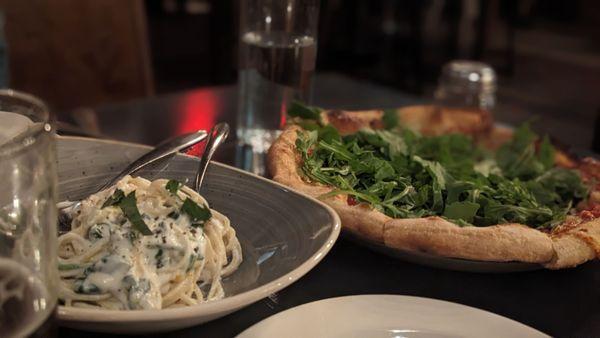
column 128, row 205
column 173, row 186
column 198, row 214
column 390, row 119
column 404, row 174
column 465, row 211
column 297, row 109
column 115, row 199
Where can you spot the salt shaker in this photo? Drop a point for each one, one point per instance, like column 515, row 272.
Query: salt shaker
column 468, row 85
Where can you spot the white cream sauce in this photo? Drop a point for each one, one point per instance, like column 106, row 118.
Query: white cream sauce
column 138, row 267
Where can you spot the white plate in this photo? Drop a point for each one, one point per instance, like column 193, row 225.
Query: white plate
column 387, row 316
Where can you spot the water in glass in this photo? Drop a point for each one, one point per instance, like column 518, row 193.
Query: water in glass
column 275, row 69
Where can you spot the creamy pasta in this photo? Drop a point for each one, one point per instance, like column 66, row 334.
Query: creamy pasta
column 145, row 245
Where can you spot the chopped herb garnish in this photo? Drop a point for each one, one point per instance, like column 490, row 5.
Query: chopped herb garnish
column 191, row 263
column 129, row 207
column 81, row 286
column 197, row 214
column 173, row 215
column 66, row 267
column 158, row 257
column 133, row 236
column 88, row 289
column 95, row 232
column 173, row 186
column 115, row 199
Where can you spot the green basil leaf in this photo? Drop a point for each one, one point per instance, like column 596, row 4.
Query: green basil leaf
column 115, row 199
column 173, row 186
column 129, row 207
column 198, row 214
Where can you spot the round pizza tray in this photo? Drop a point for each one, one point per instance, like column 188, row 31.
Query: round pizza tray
column 456, row 264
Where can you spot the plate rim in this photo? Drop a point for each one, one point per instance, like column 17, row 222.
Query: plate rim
column 73, row 314
column 397, row 298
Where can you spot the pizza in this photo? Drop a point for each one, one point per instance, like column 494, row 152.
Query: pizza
column 447, row 182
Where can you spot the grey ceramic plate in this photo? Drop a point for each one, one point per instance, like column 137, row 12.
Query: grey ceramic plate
column 283, row 234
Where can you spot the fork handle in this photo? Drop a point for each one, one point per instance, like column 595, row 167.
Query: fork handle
column 164, row 149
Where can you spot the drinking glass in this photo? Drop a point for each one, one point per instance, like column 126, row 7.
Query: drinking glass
column 278, row 48
column 467, row 84
column 28, row 269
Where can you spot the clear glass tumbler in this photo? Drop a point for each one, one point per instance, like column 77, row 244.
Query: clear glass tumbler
column 28, row 269
column 278, row 48
column 467, row 84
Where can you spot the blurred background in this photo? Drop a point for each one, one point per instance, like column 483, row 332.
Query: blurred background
column 84, row 53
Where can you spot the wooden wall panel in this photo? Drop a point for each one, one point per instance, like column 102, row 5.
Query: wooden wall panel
column 78, row 52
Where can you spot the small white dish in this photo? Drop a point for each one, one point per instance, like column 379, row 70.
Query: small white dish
column 387, row 316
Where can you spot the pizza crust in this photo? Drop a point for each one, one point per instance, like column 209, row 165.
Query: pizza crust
column 576, row 246
column 361, row 219
column 501, row 243
column 429, row 120
column 434, row 120
column 283, row 162
column 350, row 122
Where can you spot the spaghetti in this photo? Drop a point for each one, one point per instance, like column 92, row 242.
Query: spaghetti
column 145, row 245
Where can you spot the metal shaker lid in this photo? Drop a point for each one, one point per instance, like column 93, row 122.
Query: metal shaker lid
column 467, row 74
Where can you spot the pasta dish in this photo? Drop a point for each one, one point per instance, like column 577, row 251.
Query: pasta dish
column 145, row 245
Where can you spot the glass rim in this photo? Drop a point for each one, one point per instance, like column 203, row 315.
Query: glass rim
column 43, row 126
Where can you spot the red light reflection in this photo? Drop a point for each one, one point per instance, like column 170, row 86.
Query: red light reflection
column 199, row 111
column 283, row 114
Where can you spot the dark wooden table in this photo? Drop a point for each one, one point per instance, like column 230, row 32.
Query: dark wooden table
column 559, row 303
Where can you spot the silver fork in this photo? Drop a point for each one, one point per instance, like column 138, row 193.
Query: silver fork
column 160, row 152
column 217, row 135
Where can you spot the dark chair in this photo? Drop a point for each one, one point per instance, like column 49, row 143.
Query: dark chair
column 596, row 140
